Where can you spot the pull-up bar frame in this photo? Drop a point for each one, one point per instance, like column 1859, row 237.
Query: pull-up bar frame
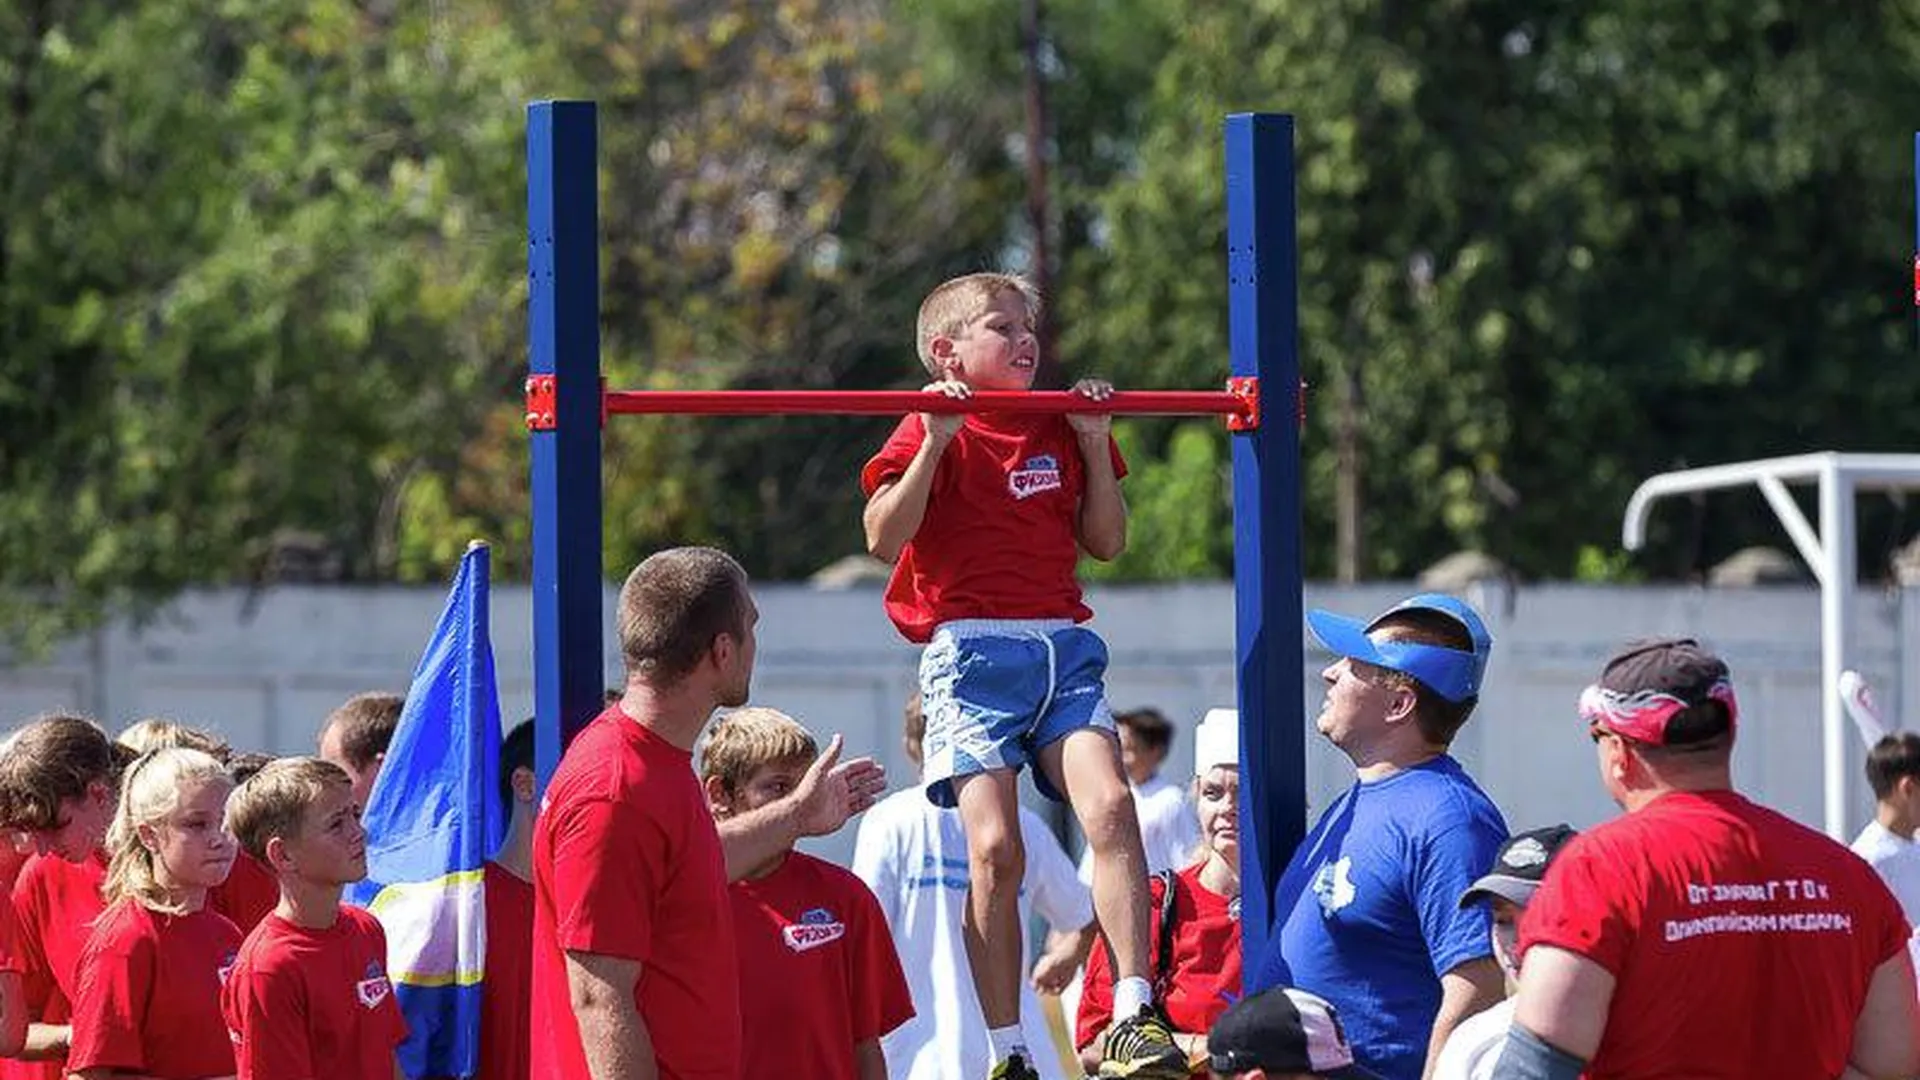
column 569, row 576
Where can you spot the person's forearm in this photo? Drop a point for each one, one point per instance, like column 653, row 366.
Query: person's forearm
column 893, row 516
column 868, row 1061
column 1103, row 510
column 47, row 1042
column 615, row 1038
column 753, row 838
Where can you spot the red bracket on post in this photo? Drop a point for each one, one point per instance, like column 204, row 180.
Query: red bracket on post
column 542, row 403
column 543, row 395
column 1247, row 389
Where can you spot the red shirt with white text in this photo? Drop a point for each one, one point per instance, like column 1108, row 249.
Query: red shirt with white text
column 818, row 973
column 307, row 1004
column 1742, row 942
column 1000, row 538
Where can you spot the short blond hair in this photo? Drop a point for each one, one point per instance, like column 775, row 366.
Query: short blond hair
column 160, row 733
column 952, row 304
column 274, row 801
column 747, row 740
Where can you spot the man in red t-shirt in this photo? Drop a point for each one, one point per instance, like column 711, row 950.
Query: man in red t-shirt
column 629, row 871
column 1702, row 935
column 820, row 982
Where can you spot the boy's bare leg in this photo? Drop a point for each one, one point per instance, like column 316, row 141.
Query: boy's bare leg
column 996, row 861
column 1086, row 767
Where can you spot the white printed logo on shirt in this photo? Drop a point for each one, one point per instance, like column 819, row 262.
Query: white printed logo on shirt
column 816, row 928
column 373, row 989
column 1041, row 473
column 1334, row 885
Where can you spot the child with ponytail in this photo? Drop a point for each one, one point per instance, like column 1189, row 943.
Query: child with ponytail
column 168, row 846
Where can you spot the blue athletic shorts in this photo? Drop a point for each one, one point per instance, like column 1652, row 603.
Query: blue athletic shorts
column 995, row 691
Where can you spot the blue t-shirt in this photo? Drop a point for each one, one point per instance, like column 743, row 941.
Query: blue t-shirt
column 1369, row 907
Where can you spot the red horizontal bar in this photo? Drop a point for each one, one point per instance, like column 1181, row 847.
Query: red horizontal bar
column 901, row 402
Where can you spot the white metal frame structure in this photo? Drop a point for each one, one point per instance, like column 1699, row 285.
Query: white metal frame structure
column 1830, row 552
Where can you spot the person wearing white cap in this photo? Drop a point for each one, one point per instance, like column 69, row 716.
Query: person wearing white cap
column 1196, row 916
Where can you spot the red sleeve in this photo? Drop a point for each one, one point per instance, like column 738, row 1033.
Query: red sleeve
column 882, row 1000
column 607, row 863
column 895, row 456
column 115, row 984
column 266, row 1010
column 1577, row 908
column 12, row 956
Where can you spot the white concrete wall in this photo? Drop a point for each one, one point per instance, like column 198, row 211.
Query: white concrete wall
column 263, row 668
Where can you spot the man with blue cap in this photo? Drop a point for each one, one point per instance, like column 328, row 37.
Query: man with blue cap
column 1367, row 913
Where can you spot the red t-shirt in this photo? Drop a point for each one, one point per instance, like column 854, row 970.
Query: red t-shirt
column 818, row 974
column 1719, row 917
column 305, row 1004
column 627, row 863
column 1202, row 980
column 1000, row 539
column 505, row 993
column 249, row 894
column 12, row 957
column 57, row 902
column 149, row 994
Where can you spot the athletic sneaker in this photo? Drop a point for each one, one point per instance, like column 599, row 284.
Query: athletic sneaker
column 1142, row 1048
column 1014, row 1067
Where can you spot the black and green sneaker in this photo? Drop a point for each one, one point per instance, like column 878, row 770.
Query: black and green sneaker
column 1142, row 1048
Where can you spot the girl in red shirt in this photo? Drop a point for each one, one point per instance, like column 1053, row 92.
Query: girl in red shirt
column 59, row 783
column 1197, row 961
column 168, row 846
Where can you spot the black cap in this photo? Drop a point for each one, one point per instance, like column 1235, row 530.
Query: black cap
column 1283, row 1030
column 1519, row 866
column 1647, row 686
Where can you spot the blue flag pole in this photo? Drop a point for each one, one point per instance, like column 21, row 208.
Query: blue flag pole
column 433, row 819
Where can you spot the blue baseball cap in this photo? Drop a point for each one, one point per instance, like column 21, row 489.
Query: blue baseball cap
column 1452, row 674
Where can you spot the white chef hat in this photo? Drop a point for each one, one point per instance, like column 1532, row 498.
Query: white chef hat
column 1216, row 740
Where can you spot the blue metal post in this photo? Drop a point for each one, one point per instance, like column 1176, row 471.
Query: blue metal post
column 563, row 322
column 1263, row 320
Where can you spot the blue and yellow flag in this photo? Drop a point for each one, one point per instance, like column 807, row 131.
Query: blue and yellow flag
column 433, row 819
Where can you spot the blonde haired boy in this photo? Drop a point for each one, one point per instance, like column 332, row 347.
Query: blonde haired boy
column 819, row 980
column 984, row 517
column 308, row 997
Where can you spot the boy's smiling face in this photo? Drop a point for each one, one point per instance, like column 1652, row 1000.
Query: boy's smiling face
column 995, row 350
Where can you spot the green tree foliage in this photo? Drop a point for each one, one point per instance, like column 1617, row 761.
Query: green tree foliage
column 1555, row 246
column 262, row 284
